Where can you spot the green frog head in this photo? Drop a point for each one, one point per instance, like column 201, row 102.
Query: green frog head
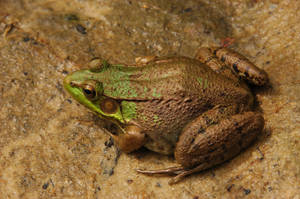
column 108, row 92
column 86, row 86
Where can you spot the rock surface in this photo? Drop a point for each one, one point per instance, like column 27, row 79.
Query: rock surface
column 51, row 147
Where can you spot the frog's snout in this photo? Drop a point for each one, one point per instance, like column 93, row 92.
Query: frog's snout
column 71, row 78
column 67, row 83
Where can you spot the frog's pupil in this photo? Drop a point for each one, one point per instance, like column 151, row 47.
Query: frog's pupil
column 89, row 93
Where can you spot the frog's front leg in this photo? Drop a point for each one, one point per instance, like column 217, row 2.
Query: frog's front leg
column 131, row 140
column 217, row 143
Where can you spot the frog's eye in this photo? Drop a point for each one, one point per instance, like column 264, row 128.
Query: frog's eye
column 109, row 106
column 89, row 92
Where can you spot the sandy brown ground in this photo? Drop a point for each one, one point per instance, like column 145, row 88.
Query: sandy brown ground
column 50, row 147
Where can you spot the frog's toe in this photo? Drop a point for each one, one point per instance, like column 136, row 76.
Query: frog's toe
column 170, row 170
column 185, row 172
column 180, row 172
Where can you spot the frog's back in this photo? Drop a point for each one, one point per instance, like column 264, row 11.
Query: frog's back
column 199, row 82
column 167, row 78
column 178, row 77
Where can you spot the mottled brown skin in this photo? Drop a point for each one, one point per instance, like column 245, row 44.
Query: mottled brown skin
column 183, row 99
column 204, row 125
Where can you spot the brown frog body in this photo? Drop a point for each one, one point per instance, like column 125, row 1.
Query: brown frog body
column 199, row 109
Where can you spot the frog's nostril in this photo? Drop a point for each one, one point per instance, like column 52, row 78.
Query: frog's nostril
column 72, row 84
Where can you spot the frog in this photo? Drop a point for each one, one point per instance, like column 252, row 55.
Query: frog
column 200, row 110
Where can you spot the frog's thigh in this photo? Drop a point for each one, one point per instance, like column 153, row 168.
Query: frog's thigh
column 217, row 143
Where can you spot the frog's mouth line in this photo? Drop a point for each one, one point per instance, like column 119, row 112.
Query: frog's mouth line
column 115, row 127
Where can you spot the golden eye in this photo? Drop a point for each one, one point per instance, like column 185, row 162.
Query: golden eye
column 89, row 92
column 108, row 106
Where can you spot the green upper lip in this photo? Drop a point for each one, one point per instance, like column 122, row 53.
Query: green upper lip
column 72, row 90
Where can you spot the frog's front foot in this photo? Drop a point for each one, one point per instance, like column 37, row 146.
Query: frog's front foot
column 179, row 172
column 131, row 140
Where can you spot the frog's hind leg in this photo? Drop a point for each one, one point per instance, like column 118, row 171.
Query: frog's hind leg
column 211, row 139
column 242, row 66
column 208, row 118
column 199, row 148
column 238, row 64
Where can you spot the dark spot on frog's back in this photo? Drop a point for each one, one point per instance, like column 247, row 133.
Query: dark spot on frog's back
column 223, row 58
column 201, row 131
column 235, row 68
column 192, row 140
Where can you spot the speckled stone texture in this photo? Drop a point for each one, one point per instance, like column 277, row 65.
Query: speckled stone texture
column 51, row 147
